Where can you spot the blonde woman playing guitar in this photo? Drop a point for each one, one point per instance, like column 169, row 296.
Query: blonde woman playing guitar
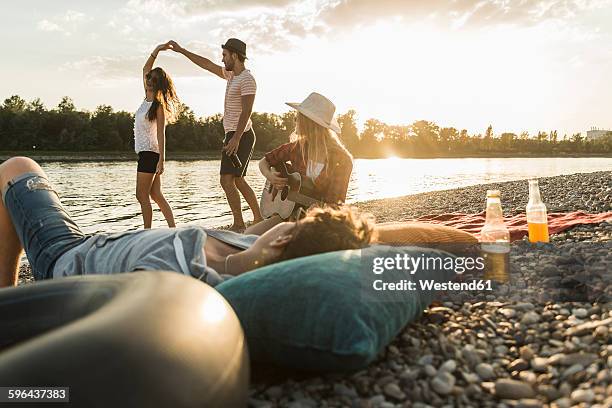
column 317, row 158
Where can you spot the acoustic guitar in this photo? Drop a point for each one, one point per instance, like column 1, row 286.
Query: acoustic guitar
column 298, row 191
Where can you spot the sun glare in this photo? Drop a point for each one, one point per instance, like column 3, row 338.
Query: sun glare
column 213, row 309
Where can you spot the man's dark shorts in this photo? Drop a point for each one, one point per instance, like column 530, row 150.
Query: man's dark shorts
column 245, row 151
column 45, row 229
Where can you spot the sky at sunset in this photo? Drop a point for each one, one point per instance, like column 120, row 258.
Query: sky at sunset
column 517, row 65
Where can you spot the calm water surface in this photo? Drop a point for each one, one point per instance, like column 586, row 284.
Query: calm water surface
column 100, row 195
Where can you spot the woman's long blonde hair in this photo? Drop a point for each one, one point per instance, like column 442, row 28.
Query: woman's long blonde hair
column 317, row 139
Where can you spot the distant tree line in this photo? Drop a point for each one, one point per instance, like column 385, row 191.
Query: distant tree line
column 30, row 125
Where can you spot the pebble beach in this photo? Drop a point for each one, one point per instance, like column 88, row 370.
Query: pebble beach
column 544, row 339
column 520, row 347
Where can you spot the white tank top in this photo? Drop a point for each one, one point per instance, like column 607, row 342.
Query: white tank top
column 145, row 130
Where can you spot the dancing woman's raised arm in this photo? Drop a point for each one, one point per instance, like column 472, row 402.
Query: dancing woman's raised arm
column 200, row 61
column 148, row 66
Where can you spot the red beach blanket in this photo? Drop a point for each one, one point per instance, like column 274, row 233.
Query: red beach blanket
column 517, row 224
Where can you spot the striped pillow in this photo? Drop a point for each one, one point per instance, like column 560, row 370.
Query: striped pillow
column 422, row 233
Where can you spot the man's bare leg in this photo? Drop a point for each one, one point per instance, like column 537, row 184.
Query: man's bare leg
column 10, row 246
column 233, row 199
column 250, row 197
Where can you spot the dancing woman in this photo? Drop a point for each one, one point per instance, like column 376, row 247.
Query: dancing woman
column 158, row 108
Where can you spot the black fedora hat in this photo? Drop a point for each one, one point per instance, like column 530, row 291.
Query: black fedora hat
column 235, row 45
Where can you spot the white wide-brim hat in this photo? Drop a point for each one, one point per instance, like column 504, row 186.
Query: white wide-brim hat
column 318, row 108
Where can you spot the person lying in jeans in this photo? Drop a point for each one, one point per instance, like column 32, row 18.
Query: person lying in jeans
column 33, row 219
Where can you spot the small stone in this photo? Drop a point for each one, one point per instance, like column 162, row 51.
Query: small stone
column 526, row 353
column 274, row 392
column 601, row 332
column 470, row 355
column 528, row 403
column 587, row 327
column 430, row 370
column 582, row 396
column 426, row 359
column 518, row 365
column 501, row 350
column 528, row 377
column 343, row 390
column 580, row 313
column 512, row 389
column 530, row 318
column 583, row 359
column 565, row 389
column 508, row 313
column 485, row 371
column 539, row 364
column 449, row 366
column 443, row 383
column 576, row 368
column 470, row 377
column 562, row 403
column 393, row 390
column 550, row 392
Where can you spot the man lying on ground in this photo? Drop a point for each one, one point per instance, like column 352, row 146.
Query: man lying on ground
column 33, row 218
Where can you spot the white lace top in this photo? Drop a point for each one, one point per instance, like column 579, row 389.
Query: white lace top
column 145, row 130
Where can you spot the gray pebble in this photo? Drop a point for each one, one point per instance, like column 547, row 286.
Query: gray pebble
column 583, row 396
column 512, row 389
column 449, row 366
column 443, row 383
column 562, row 403
column 393, row 390
column 580, row 313
column 530, row 318
column 485, row 371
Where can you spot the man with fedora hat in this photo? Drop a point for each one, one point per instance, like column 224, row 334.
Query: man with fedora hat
column 239, row 136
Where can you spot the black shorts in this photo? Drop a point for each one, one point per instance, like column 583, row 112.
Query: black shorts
column 147, row 162
column 245, row 151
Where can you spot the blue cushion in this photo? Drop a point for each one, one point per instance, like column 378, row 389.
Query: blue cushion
column 320, row 313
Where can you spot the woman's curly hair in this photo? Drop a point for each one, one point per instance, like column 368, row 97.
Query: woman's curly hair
column 329, row 228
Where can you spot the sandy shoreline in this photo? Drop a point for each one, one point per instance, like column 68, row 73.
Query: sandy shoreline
column 464, row 351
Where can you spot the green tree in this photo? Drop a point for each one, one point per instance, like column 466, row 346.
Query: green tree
column 348, row 126
column 66, row 105
column 15, row 104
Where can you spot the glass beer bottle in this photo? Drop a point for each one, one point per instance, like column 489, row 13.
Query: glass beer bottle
column 537, row 222
column 495, row 240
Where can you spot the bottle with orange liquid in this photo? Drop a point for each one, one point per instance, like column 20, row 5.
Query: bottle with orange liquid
column 537, row 221
column 495, row 240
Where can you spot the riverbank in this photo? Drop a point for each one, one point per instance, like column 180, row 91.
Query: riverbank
column 520, row 346
column 65, row 156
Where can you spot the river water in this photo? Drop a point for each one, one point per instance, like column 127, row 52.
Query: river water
column 100, row 195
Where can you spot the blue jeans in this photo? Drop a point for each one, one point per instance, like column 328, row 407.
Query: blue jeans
column 45, row 229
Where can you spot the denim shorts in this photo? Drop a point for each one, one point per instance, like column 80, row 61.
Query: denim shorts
column 45, row 229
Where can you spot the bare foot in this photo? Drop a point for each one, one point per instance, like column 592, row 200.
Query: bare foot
column 237, row 228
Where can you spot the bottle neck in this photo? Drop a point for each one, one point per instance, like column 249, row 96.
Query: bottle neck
column 494, row 211
column 534, row 193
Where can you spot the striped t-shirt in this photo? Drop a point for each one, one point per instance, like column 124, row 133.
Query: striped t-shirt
column 237, row 86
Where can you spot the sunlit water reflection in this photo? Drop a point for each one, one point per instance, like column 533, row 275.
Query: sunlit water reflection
column 100, row 195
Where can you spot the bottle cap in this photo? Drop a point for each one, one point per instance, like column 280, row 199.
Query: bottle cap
column 493, row 193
